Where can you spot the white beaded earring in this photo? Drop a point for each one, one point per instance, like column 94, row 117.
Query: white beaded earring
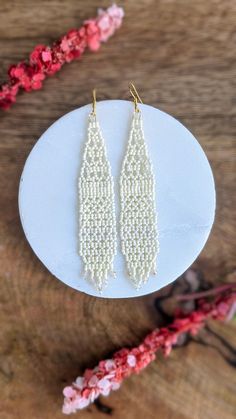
column 138, row 229
column 97, row 227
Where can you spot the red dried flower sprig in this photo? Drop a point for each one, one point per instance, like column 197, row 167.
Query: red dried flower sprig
column 110, row 373
column 45, row 60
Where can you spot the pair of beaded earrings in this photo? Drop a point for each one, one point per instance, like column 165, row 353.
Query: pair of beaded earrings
column 97, row 221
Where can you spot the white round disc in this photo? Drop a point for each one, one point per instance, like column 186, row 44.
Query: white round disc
column 185, row 194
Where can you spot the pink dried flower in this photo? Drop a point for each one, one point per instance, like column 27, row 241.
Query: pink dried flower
column 93, row 34
column 131, row 360
column 69, row 392
column 109, row 21
column 110, row 373
column 45, row 61
column 8, row 94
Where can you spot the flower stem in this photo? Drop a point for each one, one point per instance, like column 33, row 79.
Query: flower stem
column 208, row 293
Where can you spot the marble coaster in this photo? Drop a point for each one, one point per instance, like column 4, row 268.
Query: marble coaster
column 185, row 194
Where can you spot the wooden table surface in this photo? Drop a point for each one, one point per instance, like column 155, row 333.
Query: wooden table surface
column 181, row 54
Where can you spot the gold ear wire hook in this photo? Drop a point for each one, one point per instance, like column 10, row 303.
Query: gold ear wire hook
column 94, row 102
column 135, row 95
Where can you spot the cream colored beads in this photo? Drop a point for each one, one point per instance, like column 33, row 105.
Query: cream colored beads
column 139, row 236
column 97, row 227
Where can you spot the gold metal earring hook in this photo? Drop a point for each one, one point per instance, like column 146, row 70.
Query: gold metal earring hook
column 135, row 95
column 94, row 102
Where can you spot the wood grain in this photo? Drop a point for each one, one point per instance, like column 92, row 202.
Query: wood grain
column 181, row 55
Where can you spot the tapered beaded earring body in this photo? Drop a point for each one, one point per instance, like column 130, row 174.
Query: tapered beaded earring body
column 138, row 219
column 97, row 226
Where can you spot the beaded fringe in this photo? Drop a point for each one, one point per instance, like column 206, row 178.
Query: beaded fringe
column 139, row 236
column 97, row 230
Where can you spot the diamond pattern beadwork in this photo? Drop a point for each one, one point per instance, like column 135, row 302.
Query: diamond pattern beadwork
column 139, row 235
column 97, row 228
